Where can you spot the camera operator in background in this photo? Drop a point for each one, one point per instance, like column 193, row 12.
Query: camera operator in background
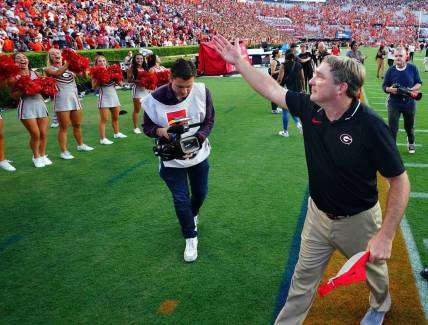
column 180, row 99
column 405, row 75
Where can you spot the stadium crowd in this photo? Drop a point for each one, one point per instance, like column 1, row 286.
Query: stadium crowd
column 38, row 25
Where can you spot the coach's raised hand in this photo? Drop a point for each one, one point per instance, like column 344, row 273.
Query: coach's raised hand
column 258, row 80
column 230, row 52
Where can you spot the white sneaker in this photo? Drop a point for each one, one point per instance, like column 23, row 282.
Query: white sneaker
column 299, row 127
column 66, row 155
column 84, row 147
column 5, row 164
column 137, row 131
column 39, row 162
column 195, row 218
column 191, row 250
column 105, row 141
column 119, row 136
column 47, row 161
column 283, row 133
column 54, row 124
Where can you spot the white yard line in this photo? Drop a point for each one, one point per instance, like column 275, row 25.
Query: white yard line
column 415, row 261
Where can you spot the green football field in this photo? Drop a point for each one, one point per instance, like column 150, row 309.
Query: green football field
column 95, row 240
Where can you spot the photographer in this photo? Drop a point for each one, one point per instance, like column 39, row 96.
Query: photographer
column 404, row 75
column 180, row 99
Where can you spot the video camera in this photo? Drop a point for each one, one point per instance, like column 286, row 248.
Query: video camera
column 404, row 91
column 176, row 147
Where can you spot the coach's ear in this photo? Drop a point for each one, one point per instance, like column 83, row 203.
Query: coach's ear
column 342, row 88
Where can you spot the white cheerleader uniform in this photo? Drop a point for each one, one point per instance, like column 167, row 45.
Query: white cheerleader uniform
column 31, row 107
column 108, row 96
column 67, row 98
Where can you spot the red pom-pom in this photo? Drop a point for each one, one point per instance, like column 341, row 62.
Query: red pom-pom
column 8, row 67
column 27, row 86
column 100, row 74
column 163, row 77
column 49, row 87
column 147, row 80
column 115, row 73
column 77, row 63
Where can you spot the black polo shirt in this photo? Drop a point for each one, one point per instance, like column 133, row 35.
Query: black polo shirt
column 343, row 156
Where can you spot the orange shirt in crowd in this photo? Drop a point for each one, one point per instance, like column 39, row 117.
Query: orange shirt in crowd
column 8, row 45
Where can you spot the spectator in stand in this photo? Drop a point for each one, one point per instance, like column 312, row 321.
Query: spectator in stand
column 380, row 61
column 33, row 114
column 108, row 101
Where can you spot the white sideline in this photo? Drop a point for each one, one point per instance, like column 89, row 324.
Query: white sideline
column 416, row 165
column 415, row 261
column 418, row 195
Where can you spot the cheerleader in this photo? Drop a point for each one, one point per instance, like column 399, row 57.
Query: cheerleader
column 154, row 64
column 107, row 101
column 66, row 103
column 4, row 163
column 33, row 114
column 138, row 93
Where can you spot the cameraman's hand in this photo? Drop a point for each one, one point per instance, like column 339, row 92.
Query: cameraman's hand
column 392, row 90
column 162, row 132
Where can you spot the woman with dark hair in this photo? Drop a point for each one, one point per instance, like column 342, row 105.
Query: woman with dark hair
column 355, row 53
column 380, row 61
column 138, row 64
column 274, row 68
column 157, row 67
column 151, row 61
column 291, row 77
column 107, row 101
column 33, row 114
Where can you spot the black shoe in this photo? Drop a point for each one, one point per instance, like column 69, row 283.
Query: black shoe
column 424, row 273
column 123, row 112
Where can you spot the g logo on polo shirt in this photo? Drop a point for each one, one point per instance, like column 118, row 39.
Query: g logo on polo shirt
column 345, row 139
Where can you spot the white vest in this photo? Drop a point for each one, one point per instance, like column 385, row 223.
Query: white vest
column 194, row 107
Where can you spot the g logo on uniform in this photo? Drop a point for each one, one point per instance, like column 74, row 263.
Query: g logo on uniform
column 345, row 139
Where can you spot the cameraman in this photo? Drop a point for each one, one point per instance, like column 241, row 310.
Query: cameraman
column 405, row 75
column 183, row 98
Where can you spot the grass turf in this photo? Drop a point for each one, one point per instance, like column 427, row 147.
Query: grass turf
column 95, row 239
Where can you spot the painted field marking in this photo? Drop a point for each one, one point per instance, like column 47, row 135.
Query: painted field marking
column 125, row 173
column 415, row 261
column 418, row 131
column 8, row 242
column 425, row 243
column 381, row 110
column 378, row 103
column 405, row 145
column 418, row 195
column 385, row 118
column 413, row 165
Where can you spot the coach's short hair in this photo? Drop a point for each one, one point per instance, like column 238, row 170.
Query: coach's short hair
column 347, row 70
column 183, row 69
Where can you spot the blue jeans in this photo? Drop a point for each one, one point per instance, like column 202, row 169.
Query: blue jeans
column 186, row 207
column 285, row 119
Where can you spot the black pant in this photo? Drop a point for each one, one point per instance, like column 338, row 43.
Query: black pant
column 390, row 62
column 409, row 121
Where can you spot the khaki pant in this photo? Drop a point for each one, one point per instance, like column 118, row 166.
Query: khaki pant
column 320, row 238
